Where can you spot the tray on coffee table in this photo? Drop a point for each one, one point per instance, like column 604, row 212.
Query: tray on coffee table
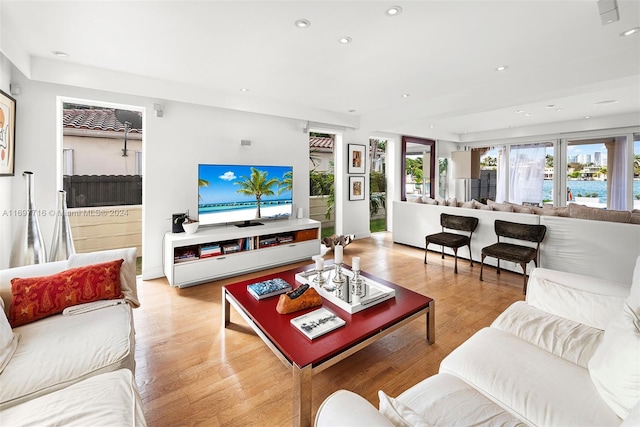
column 373, row 292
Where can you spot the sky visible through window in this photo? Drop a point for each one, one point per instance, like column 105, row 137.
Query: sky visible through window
column 576, row 150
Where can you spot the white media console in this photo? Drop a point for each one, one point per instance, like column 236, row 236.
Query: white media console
column 221, row 251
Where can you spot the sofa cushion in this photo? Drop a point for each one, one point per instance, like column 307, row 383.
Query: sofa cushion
column 551, row 211
column 587, row 300
column 127, row 271
column 8, row 340
column 446, row 400
column 110, row 399
column 44, row 269
column 633, row 300
column 586, row 212
column 615, row 366
column 429, row 201
column 538, row 387
column 562, row 337
column 58, row 351
column 522, row 209
column 399, row 414
column 37, row 297
column 468, row 205
column 481, row 206
column 502, row 207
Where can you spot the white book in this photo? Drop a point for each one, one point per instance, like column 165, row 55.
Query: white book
column 317, row 322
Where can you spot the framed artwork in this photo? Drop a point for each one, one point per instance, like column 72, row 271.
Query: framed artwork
column 357, row 160
column 356, row 188
column 7, row 134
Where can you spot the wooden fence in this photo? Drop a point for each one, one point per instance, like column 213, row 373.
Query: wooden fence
column 102, row 190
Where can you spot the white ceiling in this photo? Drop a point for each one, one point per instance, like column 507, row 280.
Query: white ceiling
column 442, row 53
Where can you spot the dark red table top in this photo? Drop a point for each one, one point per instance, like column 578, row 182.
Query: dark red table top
column 302, row 351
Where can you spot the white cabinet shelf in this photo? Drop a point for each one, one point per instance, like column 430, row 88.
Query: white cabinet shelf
column 216, row 252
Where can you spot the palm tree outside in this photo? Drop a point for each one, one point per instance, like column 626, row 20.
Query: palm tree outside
column 257, row 185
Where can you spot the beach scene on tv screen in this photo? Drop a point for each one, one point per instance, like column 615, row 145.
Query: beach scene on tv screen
column 232, row 193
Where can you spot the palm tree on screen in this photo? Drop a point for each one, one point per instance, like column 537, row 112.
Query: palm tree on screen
column 287, row 182
column 202, row 183
column 257, row 185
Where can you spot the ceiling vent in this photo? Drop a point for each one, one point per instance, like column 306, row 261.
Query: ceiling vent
column 608, row 11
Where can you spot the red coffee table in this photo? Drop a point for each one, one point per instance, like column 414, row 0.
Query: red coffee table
column 305, row 356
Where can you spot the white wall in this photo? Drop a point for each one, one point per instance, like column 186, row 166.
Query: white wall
column 174, row 145
column 102, row 156
column 5, row 182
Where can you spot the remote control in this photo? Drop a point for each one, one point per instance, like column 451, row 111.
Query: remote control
column 295, row 294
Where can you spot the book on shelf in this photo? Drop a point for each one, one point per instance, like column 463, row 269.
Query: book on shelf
column 231, row 248
column 210, row 250
column 317, row 322
column 268, row 288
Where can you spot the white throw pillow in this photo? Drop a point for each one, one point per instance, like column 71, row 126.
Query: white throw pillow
column 634, row 296
column 615, row 365
column 400, row 414
column 127, row 271
column 8, row 339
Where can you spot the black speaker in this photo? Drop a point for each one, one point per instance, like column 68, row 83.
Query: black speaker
column 176, row 223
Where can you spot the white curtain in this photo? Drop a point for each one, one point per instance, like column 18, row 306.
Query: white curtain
column 526, row 173
column 502, row 174
column 618, row 176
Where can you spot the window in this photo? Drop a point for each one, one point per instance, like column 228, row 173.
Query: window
column 587, row 173
column 527, row 165
column 636, row 171
column 102, row 156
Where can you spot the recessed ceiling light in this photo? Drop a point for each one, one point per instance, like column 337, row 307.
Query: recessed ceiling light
column 551, row 106
column 519, row 111
column 60, row 54
column 352, row 111
column 607, row 102
column 345, row 40
column 302, row 23
column 528, row 114
column 510, row 127
column 405, row 95
column 558, row 109
column 630, row 31
column 393, row 11
column 587, row 117
column 502, row 68
column 431, row 126
column 244, row 89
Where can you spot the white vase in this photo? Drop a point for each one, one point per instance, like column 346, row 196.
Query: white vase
column 62, row 244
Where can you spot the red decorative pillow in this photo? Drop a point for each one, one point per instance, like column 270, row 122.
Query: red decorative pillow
column 37, row 297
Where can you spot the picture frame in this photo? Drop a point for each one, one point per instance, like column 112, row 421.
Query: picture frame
column 356, row 188
column 357, row 158
column 7, row 134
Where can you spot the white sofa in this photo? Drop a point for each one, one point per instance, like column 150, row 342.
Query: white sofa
column 601, row 249
column 567, row 356
column 72, row 369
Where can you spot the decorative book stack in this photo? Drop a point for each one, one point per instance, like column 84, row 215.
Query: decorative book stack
column 317, row 322
column 268, row 288
column 210, row 250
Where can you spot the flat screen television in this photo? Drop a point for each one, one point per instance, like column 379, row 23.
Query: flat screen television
column 243, row 193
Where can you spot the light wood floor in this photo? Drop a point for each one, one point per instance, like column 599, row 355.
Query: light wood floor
column 192, row 372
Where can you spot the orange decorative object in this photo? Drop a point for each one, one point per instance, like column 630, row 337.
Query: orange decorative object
column 310, row 298
column 37, row 297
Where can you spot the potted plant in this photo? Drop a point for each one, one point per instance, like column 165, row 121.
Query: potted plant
column 189, row 224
